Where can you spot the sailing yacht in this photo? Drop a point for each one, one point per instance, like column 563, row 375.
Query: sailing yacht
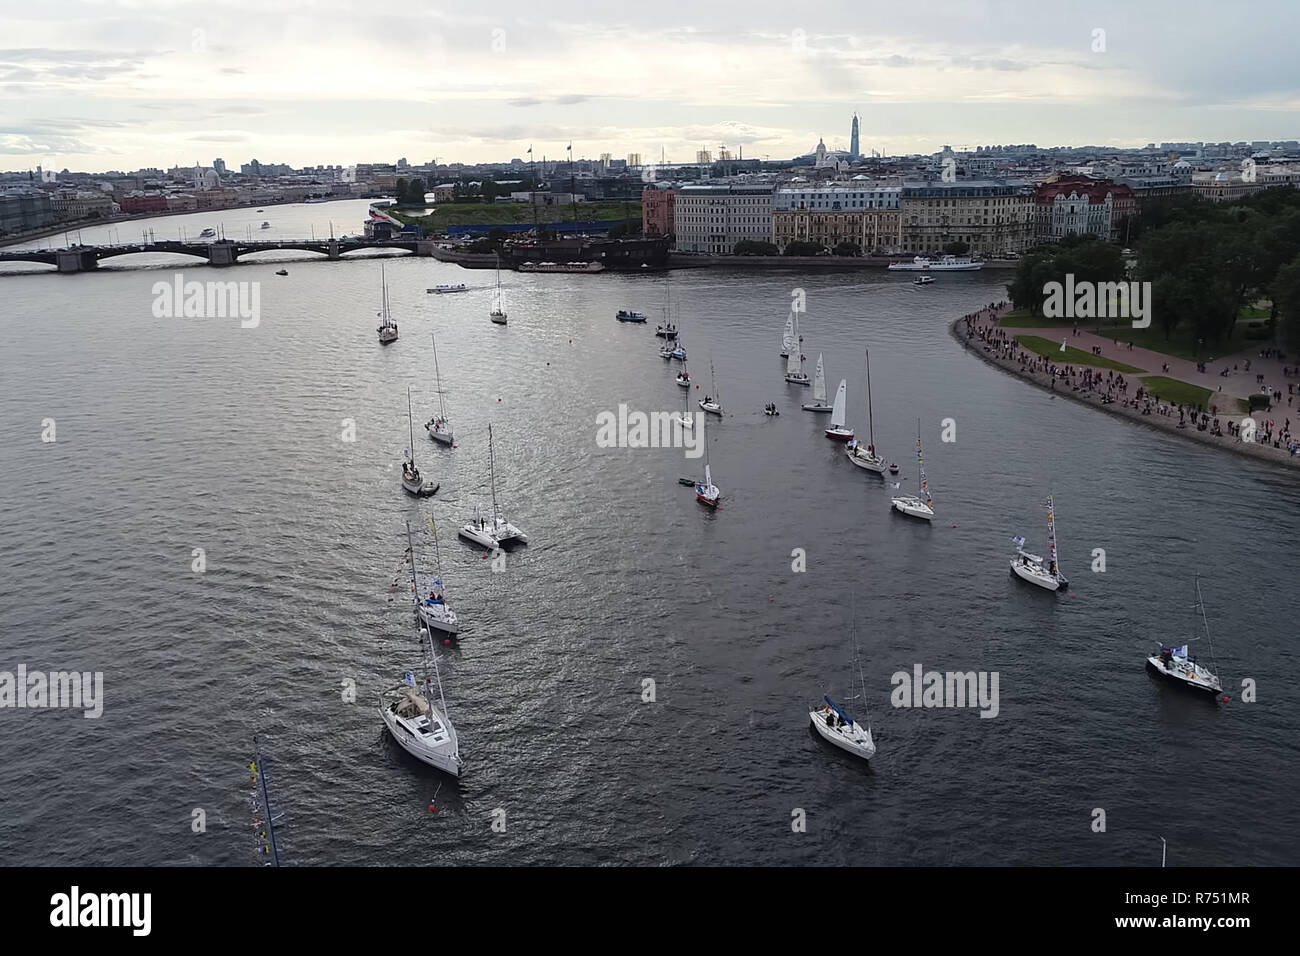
column 684, row 377
column 838, row 430
column 867, row 457
column 1030, row 567
column 498, row 313
column 838, row 728
column 788, row 341
column 1173, row 663
column 439, row 427
column 496, row 531
column 914, row 505
column 712, row 403
column 794, row 373
column 387, row 327
column 432, row 611
column 706, row 492
column 421, row 727
column 818, row 404
column 411, row 479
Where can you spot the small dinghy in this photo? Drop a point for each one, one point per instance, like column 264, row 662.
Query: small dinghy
column 770, row 409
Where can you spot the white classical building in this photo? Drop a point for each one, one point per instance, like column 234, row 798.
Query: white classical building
column 713, row 218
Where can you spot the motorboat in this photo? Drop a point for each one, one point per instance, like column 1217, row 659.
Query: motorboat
column 624, row 315
column 923, row 280
column 446, row 289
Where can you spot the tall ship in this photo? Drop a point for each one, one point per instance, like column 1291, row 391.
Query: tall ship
column 942, row 264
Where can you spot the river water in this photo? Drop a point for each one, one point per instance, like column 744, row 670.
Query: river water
column 177, row 434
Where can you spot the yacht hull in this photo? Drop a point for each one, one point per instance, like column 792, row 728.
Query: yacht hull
column 913, row 508
column 857, row 742
column 447, row 763
column 1037, row 577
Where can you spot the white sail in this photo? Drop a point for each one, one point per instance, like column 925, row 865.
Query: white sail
column 794, row 363
column 819, row 387
column 787, row 338
column 841, row 401
column 708, row 476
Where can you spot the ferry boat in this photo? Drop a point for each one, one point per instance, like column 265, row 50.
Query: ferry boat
column 942, row 264
column 560, row 267
column 625, row 315
column 444, row 289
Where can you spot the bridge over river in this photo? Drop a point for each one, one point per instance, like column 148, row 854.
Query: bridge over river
column 222, row 252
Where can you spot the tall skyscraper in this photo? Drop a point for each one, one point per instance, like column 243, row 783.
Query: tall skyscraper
column 853, row 139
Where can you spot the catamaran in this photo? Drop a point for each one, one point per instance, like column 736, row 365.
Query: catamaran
column 867, row 457
column 497, row 531
column 913, row 505
column 838, row 430
column 794, row 373
column 1030, row 567
column 818, row 404
column 432, row 611
column 1173, row 663
column 411, row 479
column 712, row 403
column 387, row 327
column 422, row 728
column 498, row 313
column 837, row 727
column 439, row 427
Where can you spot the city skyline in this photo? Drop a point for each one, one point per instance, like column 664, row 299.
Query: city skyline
column 120, row 84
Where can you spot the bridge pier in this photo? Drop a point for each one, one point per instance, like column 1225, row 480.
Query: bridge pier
column 424, row 247
column 76, row 260
column 332, row 249
column 221, row 253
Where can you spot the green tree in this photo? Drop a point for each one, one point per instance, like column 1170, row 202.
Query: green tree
column 400, row 191
column 800, row 247
column 847, row 248
column 754, row 247
column 415, row 191
column 957, row 248
column 1286, row 302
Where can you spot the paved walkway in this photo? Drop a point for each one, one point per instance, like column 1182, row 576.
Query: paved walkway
column 1159, row 415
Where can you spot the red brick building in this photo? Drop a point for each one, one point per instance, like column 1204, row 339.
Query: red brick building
column 1081, row 205
column 658, row 207
column 156, row 203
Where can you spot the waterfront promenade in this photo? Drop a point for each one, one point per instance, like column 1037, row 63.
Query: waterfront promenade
column 1277, row 430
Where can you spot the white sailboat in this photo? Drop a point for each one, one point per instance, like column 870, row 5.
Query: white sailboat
column 433, row 610
column 914, row 505
column 706, row 492
column 818, row 404
column 1031, row 568
column 684, row 377
column 788, row 341
column 838, row 430
column 837, row 727
column 1174, row 663
column 498, row 313
column 684, row 417
column 712, row 403
column 794, row 373
column 867, row 457
column 411, row 479
column 496, row 531
column 439, row 427
column 422, row 728
column 387, row 327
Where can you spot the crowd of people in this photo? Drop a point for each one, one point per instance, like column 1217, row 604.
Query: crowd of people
column 1110, row 387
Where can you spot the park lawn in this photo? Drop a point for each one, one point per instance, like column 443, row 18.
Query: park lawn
column 506, row 214
column 1071, row 355
column 1021, row 319
column 1181, row 393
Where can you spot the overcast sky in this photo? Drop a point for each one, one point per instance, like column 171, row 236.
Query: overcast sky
column 119, row 84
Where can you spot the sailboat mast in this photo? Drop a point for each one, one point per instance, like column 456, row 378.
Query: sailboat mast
column 410, row 428
column 920, row 464
column 1051, row 534
column 871, row 425
column 442, row 408
column 415, row 580
column 492, row 475
column 1200, row 603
